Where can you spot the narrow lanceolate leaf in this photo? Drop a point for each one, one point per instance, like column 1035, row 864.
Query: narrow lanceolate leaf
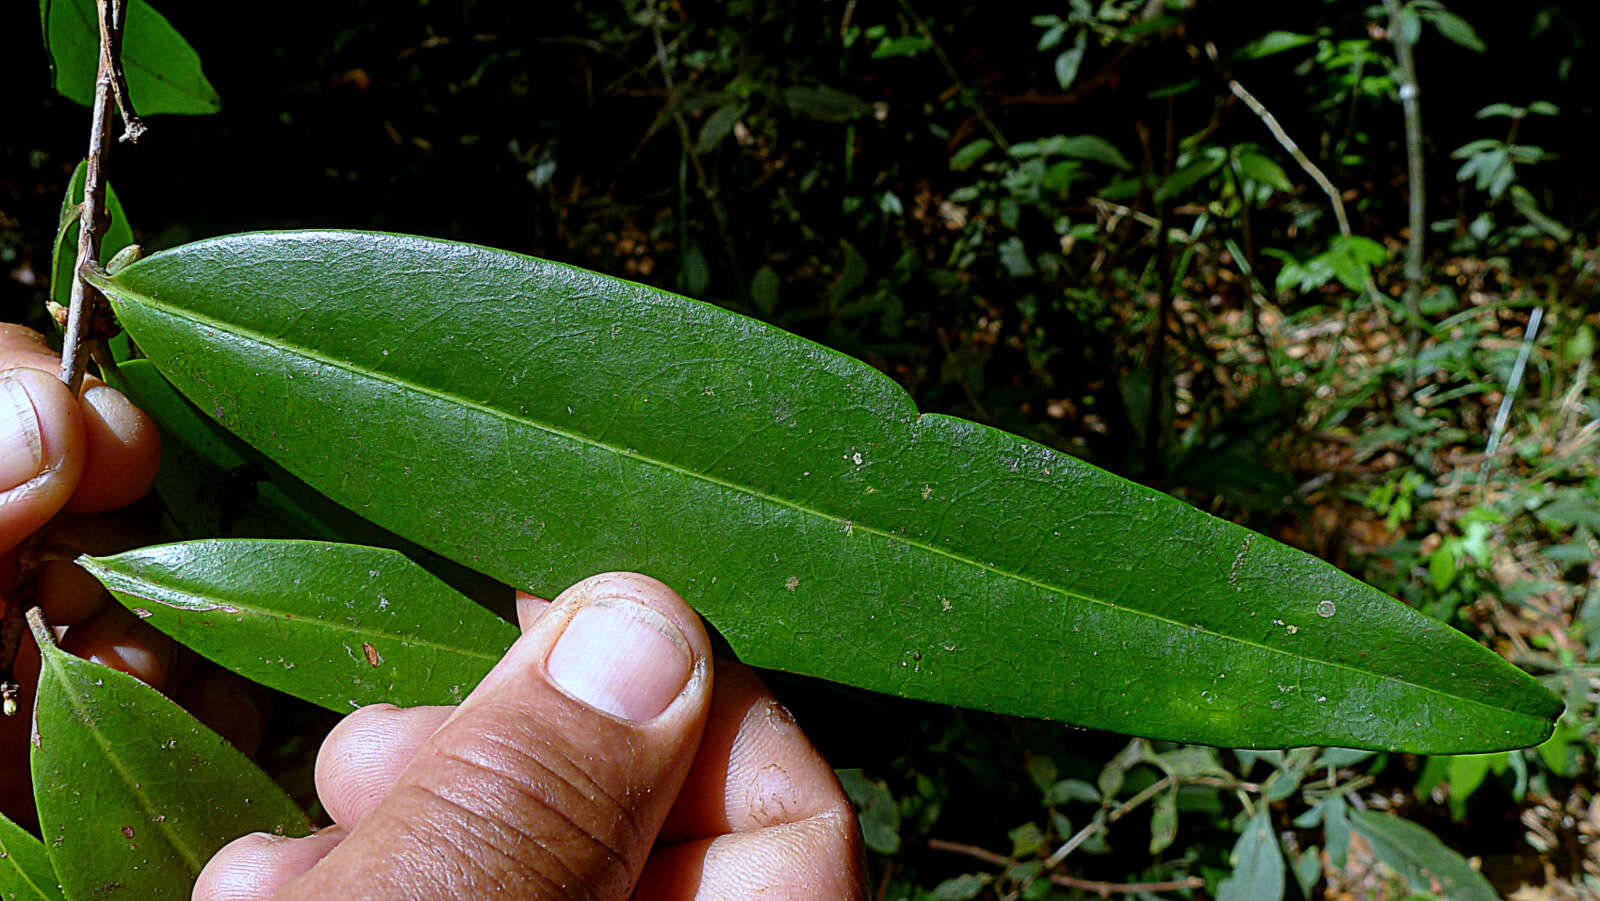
column 336, row 624
column 134, row 794
column 25, row 870
column 541, row 424
column 163, row 70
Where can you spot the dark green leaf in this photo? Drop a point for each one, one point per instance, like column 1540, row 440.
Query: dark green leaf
column 1455, row 28
column 566, row 423
column 64, row 257
column 1273, row 42
column 1265, row 170
column 163, row 70
column 336, row 624
column 825, row 103
column 764, row 286
column 134, row 793
column 969, row 154
column 1420, row 858
column 959, row 888
column 25, row 870
column 1164, row 821
column 717, row 126
column 1187, row 176
column 906, row 45
column 875, row 808
column 1257, row 863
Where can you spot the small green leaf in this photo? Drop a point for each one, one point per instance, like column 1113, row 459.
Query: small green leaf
column 717, row 126
column 969, row 154
column 764, row 286
column 959, row 888
column 875, row 808
column 1420, row 858
column 795, row 496
column 163, row 70
column 1271, row 43
column 1187, row 177
column 339, row 625
column 1257, row 863
column 1336, row 829
column 1465, row 773
column 1455, row 29
column 1265, row 170
column 1070, row 60
column 25, row 870
column 825, row 104
column 134, row 793
column 1442, row 566
column 1164, row 821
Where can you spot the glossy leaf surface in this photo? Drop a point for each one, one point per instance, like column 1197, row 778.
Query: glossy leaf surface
column 542, row 423
column 134, row 794
column 336, row 624
column 25, row 870
column 163, row 71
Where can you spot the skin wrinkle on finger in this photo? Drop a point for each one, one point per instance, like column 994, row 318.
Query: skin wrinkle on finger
column 803, row 860
column 364, row 755
column 255, row 866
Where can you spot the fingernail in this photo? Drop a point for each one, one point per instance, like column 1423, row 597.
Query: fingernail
column 21, row 445
column 622, row 658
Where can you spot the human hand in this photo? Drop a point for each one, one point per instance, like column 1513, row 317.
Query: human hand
column 66, row 462
column 595, row 761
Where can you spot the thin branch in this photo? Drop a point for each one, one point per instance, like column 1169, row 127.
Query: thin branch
column 74, row 358
column 111, row 37
column 1271, row 121
column 1410, row 101
column 1102, row 889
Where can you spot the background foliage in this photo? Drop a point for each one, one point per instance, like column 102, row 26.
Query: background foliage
column 1062, row 220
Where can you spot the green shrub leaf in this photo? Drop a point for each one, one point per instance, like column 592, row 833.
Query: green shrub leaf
column 25, row 870
column 541, row 424
column 1420, row 858
column 134, row 793
column 163, row 71
column 335, row 624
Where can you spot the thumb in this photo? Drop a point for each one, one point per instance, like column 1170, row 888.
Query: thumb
column 554, row 776
column 42, row 449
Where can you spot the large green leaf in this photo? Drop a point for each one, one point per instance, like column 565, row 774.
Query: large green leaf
column 336, row 624
column 134, row 794
column 25, row 870
column 541, row 423
column 163, row 71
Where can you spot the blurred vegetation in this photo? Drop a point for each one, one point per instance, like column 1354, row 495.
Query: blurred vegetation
column 1080, row 221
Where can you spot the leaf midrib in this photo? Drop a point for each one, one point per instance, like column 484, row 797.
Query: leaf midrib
column 260, row 338
column 225, row 605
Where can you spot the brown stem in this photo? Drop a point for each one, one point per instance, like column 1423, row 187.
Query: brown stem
column 1102, row 889
column 92, row 222
column 111, row 36
column 75, row 343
